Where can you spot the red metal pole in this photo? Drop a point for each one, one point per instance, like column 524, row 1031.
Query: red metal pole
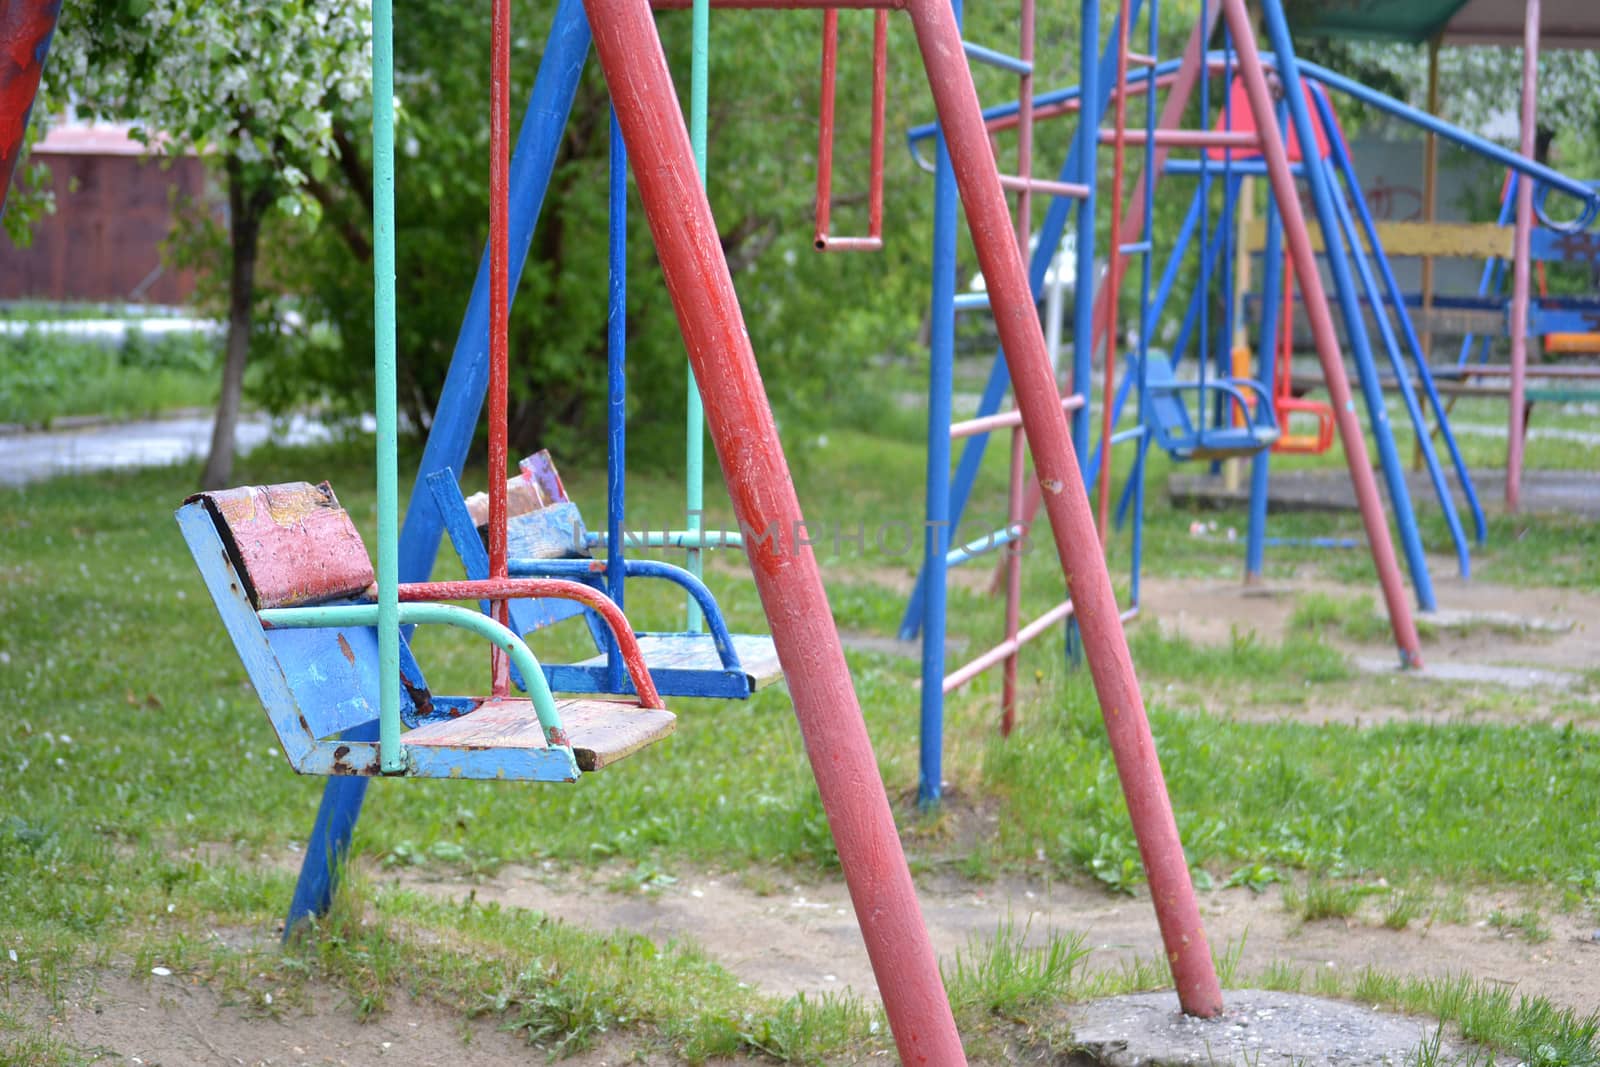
column 1014, row 495
column 499, row 313
column 880, row 104
column 1521, row 242
column 25, row 30
column 1016, row 487
column 1114, row 260
column 1067, row 504
column 763, row 496
column 1321, row 321
column 830, row 54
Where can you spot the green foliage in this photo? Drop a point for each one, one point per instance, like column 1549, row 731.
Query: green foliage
column 45, row 376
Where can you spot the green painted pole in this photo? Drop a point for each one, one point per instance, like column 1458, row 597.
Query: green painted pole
column 391, row 756
column 544, row 703
column 695, row 443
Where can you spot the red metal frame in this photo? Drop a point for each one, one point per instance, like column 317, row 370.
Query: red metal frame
column 824, row 241
column 25, row 29
column 787, row 575
column 499, row 314
column 1521, row 246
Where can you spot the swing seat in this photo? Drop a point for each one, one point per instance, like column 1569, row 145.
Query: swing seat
column 1173, row 429
column 293, row 546
column 717, row 664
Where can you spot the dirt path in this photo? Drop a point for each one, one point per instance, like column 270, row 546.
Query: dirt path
column 805, row 937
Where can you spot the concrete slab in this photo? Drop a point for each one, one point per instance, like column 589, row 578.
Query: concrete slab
column 1259, row 1029
column 1511, row 677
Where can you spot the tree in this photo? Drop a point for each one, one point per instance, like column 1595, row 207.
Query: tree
column 249, row 85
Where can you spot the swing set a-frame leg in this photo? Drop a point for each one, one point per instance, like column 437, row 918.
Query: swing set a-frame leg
column 786, row 572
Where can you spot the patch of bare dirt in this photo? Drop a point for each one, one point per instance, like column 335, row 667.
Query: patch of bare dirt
column 804, row 937
column 177, row 1022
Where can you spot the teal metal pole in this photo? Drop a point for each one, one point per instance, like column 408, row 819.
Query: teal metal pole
column 695, row 440
column 544, row 703
column 392, row 757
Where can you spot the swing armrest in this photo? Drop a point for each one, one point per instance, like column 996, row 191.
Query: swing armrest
column 1233, row 387
column 721, row 639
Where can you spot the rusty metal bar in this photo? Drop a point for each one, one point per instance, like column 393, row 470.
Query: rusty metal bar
column 823, row 241
column 1167, row 138
column 1520, row 260
column 1007, row 648
column 1005, row 419
column 499, row 315
column 1013, row 562
column 516, row 588
column 1017, row 183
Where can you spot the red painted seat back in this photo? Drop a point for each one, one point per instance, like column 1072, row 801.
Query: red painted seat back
column 292, row 544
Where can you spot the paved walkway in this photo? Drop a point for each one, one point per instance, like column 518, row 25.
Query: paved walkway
column 30, row 457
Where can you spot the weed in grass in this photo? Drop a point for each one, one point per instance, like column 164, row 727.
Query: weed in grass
column 1405, row 906
column 1227, row 964
column 1282, row 977
column 1004, row 975
column 1255, row 877
column 1322, row 899
column 1526, row 923
column 1354, row 618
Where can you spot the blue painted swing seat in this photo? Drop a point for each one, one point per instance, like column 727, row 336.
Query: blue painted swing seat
column 1167, row 414
column 293, row 546
column 711, row 664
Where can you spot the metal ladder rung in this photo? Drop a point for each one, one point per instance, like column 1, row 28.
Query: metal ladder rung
column 996, row 59
column 1239, row 139
column 1137, row 248
column 972, row 301
column 1072, row 190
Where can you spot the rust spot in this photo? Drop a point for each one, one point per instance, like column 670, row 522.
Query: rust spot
column 349, row 653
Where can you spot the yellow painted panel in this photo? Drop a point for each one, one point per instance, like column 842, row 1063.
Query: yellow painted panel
column 1468, row 240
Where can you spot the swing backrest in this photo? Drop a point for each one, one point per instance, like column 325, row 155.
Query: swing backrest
column 292, row 545
column 1169, row 415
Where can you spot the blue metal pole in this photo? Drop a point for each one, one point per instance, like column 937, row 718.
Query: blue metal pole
column 936, row 531
column 1341, row 156
column 1355, row 326
column 1491, row 278
column 460, row 404
column 1272, row 282
column 1408, row 395
column 616, row 392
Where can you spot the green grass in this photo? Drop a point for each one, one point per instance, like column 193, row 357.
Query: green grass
column 45, row 377
column 132, row 738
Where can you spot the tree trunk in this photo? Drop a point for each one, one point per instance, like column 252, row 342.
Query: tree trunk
column 246, row 207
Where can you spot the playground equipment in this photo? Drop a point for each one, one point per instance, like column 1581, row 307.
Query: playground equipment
column 763, row 497
column 1235, row 417
column 26, row 27
column 1565, row 324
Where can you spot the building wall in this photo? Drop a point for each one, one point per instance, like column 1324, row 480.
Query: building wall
column 113, row 212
